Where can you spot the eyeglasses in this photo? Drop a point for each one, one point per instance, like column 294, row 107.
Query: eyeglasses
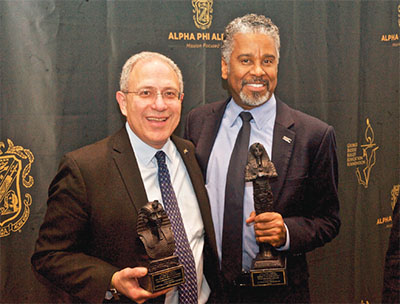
column 150, row 94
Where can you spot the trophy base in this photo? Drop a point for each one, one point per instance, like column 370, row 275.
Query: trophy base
column 268, row 271
column 163, row 274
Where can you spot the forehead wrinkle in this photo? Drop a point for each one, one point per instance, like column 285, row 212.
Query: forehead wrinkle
column 161, row 88
column 149, row 79
column 263, row 42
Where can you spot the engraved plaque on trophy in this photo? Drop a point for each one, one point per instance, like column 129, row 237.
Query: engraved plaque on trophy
column 269, row 266
column 154, row 230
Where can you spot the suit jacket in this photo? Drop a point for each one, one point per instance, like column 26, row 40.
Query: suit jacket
column 391, row 274
column 89, row 230
column 305, row 193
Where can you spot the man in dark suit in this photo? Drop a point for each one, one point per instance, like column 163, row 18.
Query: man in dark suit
column 88, row 244
column 302, row 148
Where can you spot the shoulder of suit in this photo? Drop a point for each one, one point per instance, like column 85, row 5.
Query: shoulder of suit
column 209, row 107
column 182, row 143
column 97, row 148
column 302, row 119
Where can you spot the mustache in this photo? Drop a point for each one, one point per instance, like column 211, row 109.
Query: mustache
column 256, row 80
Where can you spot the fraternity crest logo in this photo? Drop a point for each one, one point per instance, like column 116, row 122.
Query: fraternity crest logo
column 15, row 166
column 202, row 10
column 367, row 159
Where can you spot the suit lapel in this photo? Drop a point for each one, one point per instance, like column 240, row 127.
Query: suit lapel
column 209, row 133
column 186, row 150
column 125, row 161
column 282, row 146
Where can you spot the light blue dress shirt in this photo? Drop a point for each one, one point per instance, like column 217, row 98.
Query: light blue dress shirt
column 187, row 202
column 262, row 127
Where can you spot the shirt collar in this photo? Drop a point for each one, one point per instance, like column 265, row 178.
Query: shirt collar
column 261, row 114
column 145, row 153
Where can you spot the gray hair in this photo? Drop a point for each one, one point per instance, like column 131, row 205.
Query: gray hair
column 250, row 23
column 130, row 63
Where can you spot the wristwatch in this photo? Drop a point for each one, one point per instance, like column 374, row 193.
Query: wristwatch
column 112, row 293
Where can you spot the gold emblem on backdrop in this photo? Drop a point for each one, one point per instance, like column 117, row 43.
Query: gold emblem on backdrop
column 202, row 10
column 367, row 159
column 395, row 195
column 398, row 14
column 15, row 166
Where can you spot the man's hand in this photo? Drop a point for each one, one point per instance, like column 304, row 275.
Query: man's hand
column 125, row 282
column 269, row 228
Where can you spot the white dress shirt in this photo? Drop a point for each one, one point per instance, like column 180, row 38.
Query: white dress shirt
column 187, row 202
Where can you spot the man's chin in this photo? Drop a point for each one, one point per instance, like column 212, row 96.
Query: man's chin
column 254, row 101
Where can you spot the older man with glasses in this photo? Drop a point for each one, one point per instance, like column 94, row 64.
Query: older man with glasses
column 88, row 244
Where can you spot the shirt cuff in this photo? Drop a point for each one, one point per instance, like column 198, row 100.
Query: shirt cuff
column 286, row 246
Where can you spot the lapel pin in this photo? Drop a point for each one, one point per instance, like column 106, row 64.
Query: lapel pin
column 185, row 151
column 287, row 139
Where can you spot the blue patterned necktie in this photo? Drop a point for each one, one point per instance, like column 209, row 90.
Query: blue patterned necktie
column 187, row 290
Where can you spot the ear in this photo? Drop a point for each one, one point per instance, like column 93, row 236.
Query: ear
column 122, row 102
column 224, row 69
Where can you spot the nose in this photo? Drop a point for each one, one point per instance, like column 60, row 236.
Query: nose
column 257, row 69
column 159, row 103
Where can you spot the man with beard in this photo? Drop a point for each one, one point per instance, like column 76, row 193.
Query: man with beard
column 302, row 148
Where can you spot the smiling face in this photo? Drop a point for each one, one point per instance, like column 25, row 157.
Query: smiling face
column 252, row 70
column 152, row 120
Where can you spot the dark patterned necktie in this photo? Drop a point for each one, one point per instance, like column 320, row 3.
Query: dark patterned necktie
column 187, row 290
column 231, row 263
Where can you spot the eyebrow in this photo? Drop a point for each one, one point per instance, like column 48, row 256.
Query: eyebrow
column 251, row 55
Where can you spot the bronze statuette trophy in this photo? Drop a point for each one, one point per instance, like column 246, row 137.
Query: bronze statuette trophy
column 269, row 266
column 154, row 230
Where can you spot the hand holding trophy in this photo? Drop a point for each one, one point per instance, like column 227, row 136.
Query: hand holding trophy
column 154, row 230
column 269, row 266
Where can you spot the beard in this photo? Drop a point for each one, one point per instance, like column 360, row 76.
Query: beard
column 255, row 99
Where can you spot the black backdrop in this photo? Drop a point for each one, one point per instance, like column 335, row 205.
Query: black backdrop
column 60, row 65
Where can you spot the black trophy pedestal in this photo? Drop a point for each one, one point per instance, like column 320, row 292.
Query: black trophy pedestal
column 163, row 274
column 268, row 269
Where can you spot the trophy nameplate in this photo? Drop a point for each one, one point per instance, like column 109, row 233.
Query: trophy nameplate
column 269, row 266
column 270, row 271
column 154, row 230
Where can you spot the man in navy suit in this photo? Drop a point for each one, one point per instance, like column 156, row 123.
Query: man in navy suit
column 302, row 148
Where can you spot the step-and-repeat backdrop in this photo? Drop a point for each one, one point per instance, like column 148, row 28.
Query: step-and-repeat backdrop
column 60, row 65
